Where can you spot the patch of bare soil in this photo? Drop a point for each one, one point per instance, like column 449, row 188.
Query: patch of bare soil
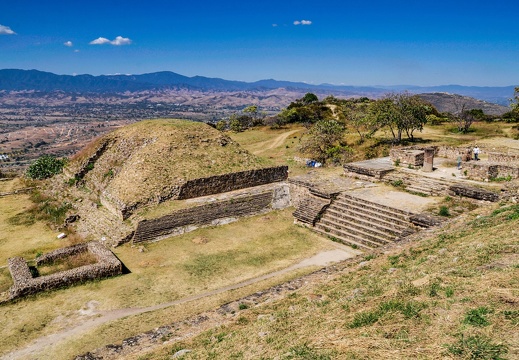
column 274, row 143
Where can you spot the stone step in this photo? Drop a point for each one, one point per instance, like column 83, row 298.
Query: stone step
column 370, row 212
column 360, row 231
column 393, row 212
column 350, row 240
column 371, row 224
column 418, row 189
column 310, row 209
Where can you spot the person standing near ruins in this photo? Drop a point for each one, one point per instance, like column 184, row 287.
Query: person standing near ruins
column 458, row 160
column 476, row 153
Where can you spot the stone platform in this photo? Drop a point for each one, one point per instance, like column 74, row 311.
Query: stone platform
column 375, row 168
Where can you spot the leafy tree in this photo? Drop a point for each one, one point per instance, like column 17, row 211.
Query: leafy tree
column 384, row 113
column 45, row 167
column 309, row 98
column 513, row 114
column 413, row 112
column 297, row 112
column 325, row 141
column 275, row 122
column 464, row 119
column 221, row 125
column 256, row 117
column 235, row 123
column 401, row 113
column 356, row 115
column 515, row 101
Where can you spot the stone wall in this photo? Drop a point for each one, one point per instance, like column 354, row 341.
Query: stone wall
column 61, row 254
column 473, row 192
column 201, row 187
column 233, row 181
column 407, row 156
column 484, row 171
column 213, row 213
column 24, row 283
column 425, row 220
column 503, row 158
column 452, row 152
column 299, row 190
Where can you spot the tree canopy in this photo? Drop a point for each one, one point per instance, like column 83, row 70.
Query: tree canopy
column 400, row 113
column 325, row 141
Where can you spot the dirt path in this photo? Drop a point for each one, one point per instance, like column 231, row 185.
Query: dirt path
column 96, row 318
column 271, row 144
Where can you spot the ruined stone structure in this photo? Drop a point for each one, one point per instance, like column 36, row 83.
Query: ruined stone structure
column 24, row 283
column 202, row 187
column 354, row 221
column 473, row 192
column 369, row 169
column 452, row 152
column 485, row 171
column 407, row 156
column 428, row 162
column 253, row 202
column 495, row 157
column 233, row 181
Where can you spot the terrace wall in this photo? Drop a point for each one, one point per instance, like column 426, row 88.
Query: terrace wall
column 213, row 213
column 202, row 187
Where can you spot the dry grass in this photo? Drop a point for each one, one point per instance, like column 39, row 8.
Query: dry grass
column 23, row 239
column 421, row 301
column 70, row 262
column 264, row 142
column 162, row 272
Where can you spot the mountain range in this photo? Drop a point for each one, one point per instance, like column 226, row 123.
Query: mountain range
column 20, row 80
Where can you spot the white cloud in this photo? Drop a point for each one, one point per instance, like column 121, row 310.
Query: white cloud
column 68, row 43
column 119, row 40
column 275, row 25
column 302, row 22
column 100, row 41
column 6, row 30
column 76, row 50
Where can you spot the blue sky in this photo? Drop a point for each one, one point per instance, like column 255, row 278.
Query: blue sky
column 378, row 42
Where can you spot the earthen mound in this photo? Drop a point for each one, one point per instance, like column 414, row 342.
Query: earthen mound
column 152, row 161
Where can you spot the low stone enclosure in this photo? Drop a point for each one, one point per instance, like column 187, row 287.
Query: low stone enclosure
column 24, row 283
column 498, row 165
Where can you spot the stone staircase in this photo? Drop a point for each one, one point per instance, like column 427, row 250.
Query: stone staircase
column 419, row 184
column 310, row 209
column 361, row 223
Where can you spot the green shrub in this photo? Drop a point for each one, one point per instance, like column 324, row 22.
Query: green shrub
column 45, row 167
column 444, row 211
column 397, row 183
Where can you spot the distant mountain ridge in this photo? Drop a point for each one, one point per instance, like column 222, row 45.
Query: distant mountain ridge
column 19, row 80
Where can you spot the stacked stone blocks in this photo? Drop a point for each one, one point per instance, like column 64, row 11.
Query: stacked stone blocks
column 24, row 283
column 208, row 214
